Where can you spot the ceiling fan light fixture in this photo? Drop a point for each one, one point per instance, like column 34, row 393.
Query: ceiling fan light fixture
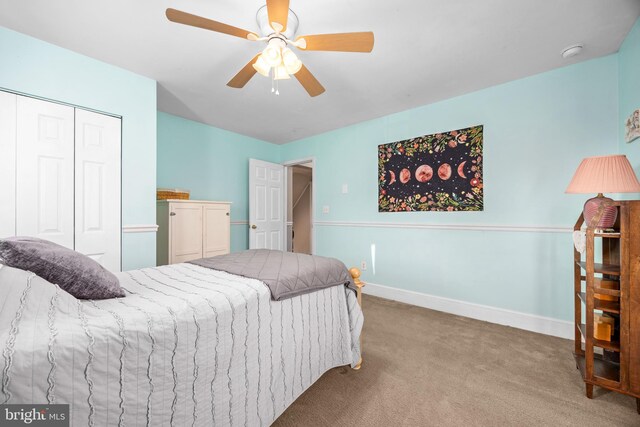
column 280, row 73
column 261, row 66
column 288, row 57
column 272, row 54
column 293, row 67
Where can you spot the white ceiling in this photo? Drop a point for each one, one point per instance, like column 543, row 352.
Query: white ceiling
column 425, row 51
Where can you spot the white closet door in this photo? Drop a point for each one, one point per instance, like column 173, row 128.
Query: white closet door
column 7, row 164
column 97, row 184
column 44, row 179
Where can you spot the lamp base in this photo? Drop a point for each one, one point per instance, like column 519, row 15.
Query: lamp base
column 598, row 212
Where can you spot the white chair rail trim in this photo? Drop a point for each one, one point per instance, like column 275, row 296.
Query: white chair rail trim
column 462, row 227
column 140, row 228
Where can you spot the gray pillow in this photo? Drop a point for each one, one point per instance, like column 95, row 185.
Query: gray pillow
column 77, row 274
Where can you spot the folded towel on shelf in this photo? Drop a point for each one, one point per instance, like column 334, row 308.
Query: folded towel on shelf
column 580, row 240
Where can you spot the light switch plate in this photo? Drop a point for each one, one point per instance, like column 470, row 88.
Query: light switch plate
column 325, row 209
column 345, row 188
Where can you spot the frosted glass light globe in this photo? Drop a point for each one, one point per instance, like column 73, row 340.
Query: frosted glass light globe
column 272, row 55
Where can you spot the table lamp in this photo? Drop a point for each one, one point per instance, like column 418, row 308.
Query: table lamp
column 603, row 174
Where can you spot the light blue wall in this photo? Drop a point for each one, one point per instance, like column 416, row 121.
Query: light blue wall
column 629, row 84
column 212, row 163
column 536, row 132
column 33, row 67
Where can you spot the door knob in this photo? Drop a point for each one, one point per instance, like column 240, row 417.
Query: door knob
column 253, row 227
column 172, row 214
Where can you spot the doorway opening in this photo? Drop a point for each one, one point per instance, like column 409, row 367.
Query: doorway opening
column 299, row 218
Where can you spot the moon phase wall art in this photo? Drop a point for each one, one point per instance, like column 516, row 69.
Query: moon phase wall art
column 439, row 172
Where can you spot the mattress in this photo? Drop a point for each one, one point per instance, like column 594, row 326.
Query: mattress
column 187, row 346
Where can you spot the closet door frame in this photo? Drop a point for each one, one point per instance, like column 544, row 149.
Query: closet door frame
column 13, row 194
column 8, row 114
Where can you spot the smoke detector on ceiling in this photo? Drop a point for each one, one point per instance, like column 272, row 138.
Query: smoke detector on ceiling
column 572, row 50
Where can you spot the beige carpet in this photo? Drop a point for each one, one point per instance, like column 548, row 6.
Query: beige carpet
column 427, row 368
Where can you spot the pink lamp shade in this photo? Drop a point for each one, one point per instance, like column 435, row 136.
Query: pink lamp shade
column 603, row 174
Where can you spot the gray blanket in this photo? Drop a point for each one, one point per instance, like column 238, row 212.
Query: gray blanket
column 287, row 274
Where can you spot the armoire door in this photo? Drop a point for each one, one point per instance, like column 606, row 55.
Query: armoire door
column 97, row 187
column 45, row 169
column 217, row 226
column 7, row 164
column 185, row 235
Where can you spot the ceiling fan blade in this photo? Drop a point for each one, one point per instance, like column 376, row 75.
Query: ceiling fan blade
column 278, row 11
column 208, row 24
column 341, row 42
column 242, row 78
column 310, row 83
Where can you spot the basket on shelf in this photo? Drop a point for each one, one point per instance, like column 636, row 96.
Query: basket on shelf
column 172, row 193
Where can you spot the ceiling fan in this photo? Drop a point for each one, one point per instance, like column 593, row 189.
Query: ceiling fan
column 278, row 25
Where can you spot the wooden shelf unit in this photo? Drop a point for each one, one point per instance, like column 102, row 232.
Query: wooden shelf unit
column 620, row 262
column 606, row 306
column 609, row 345
column 610, row 371
column 611, row 269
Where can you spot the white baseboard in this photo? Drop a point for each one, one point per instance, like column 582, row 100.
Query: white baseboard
column 501, row 316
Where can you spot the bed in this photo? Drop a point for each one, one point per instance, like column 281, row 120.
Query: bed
column 188, row 345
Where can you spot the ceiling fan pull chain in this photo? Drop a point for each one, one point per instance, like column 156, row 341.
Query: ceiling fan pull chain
column 272, row 79
column 277, row 87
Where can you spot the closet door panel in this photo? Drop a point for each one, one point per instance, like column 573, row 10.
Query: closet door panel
column 45, row 170
column 97, row 186
column 7, row 164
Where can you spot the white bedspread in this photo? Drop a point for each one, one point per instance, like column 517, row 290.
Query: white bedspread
column 188, row 346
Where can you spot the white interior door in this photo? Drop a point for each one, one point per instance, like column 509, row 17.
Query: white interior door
column 266, row 205
column 45, row 169
column 7, row 164
column 185, row 232
column 97, row 187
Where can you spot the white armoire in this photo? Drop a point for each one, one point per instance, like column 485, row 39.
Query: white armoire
column 191, row 229
column 60, row 176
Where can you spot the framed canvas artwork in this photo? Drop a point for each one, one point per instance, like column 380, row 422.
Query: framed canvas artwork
column 439, row 172
column 633, row 126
